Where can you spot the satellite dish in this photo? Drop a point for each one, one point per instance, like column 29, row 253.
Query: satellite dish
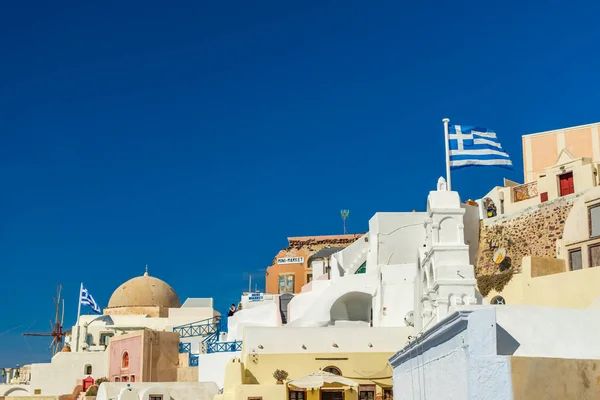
column 499, row 255
column 409, row 319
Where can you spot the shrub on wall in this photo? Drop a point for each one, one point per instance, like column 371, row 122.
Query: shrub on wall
column 280, row 375
column 497, row 282
column 92, row 391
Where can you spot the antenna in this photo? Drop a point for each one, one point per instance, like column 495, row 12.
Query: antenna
column 250, row 285
column 345, row 214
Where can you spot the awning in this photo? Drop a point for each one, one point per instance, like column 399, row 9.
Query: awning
column 319, row 379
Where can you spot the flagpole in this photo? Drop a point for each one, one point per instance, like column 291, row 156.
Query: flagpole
column 78, row 315
column 447, row 142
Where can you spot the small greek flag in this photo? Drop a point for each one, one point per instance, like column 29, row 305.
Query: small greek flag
column 473, row 146
column 86, row 299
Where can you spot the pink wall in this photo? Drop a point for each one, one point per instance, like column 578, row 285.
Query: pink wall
column 133, row 346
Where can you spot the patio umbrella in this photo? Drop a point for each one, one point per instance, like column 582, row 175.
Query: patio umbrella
column 319, row 379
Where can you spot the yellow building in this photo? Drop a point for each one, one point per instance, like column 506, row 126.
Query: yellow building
column 353, row 361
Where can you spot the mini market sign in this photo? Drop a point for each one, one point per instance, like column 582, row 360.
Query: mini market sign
column 290, row 260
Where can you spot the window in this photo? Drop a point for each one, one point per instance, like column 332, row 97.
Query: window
column 566, row 184
column 544, row 197
column 124, row 378
column 87, row 370
column 132, row 378
column 388, row 394
column 296, row 395
column 125, row 360
column 575, row 260
column 286, row 283
column 594, row 251
column 156, row 397
column 105, row 338
column 362, row 269
column 117, row 379
column 254, row 398
column 366, row 392
column 498, row 300
column 89, row 339
column 308, row 278
column 333, row 370
column 594, row 220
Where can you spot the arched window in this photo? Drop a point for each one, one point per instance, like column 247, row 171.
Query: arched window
column 125, row 362
column 333, row 370
column 498, row 300
column 87, row 370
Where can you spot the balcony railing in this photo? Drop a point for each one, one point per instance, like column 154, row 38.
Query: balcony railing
column 185, row 347
column 199, row 328
column 223, row 347
column 525, row 191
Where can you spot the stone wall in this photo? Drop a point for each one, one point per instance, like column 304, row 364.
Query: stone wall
column 531, row 232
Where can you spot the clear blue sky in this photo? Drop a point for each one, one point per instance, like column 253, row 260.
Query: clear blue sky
column 196, row 137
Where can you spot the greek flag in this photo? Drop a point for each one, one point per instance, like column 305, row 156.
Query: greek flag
column 86, row 299
column 473, row 146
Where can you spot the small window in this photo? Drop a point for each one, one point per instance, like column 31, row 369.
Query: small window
column 544, row 197
column 594, row 251
column 156, row 397
column 125, row 378
column 132, row 378
column 105, row 338
column 333, row 370
column 575, row 260
column 125, row 362
column 88, row 370
column 498, row 300
column 254, row 398
column 117, row 379
column 388, row 394
column 89, row 339
column 37, row 391
column 296, row 395
column 308, row 278
column 366, row 393
column 594, row 221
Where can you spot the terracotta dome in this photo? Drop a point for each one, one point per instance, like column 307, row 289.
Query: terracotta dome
column 144, row 291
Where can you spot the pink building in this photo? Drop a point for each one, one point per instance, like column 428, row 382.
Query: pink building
column 144, row 356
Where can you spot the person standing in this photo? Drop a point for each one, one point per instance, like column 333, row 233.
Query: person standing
column 232, row 310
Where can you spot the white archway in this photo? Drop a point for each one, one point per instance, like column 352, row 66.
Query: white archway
column 352, row 306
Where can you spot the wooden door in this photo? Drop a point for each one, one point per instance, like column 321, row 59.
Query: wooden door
column 566, row 184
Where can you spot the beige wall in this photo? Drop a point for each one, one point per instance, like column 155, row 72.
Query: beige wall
column 555, row 378
column 537, row 285
column 540, row 150
column 151, row 311
column 355, row 366
column 185, row 373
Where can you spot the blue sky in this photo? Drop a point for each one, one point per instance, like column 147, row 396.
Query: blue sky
column 196, row 137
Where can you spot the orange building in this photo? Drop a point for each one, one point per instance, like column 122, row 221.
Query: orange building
column 291, row 268
column 541, row 150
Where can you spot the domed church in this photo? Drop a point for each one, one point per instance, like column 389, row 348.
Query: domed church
column 145, row 295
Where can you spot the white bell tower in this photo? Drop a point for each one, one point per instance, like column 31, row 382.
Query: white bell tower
column 446, row 278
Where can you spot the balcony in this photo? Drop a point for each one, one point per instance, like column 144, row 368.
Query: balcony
column 525, row 192
column 223, row 347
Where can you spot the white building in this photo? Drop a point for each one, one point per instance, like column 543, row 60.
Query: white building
column 464, row 349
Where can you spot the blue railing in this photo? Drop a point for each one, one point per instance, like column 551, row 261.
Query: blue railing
column 193, row 360
column 185, row 347
column 223, row 347
column 203, row 327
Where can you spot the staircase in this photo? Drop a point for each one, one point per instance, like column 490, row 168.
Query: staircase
column 210, row 329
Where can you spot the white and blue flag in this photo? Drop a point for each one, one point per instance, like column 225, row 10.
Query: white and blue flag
column 86, row 299
column 472, row 146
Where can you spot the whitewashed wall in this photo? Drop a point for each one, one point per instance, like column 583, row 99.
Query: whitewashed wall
column 265, row 315
column 395, row 298
column 61, row 374
column 455, row 360
column 169, row 390
column 211, row 367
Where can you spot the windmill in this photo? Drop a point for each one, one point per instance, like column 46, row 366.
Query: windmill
column 56, row 327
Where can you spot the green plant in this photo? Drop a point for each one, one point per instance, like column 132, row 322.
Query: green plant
column 92, row 391
column 497, row 282
column 101, row 380
column 280, row 375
